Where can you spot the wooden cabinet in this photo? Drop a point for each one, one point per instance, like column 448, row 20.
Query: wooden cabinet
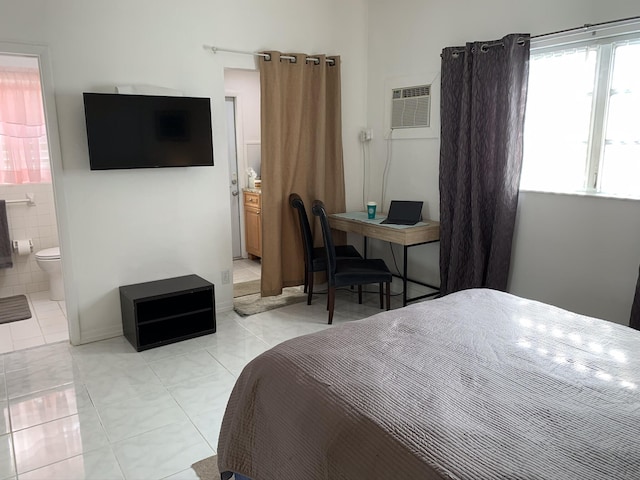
column 167, row 311
column 253, row 224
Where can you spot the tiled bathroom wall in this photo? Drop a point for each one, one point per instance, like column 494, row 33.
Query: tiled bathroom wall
column 35, row 222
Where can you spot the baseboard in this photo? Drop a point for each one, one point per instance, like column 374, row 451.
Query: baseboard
column 102, row 334
column 224, row 307
column 116, row 331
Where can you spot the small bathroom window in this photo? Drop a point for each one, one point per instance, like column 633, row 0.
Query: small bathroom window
column 24, row 152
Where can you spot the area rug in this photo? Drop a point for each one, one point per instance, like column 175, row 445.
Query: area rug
column 246, row 288
column 207, row 469
column 252, row 304
column 14, row 308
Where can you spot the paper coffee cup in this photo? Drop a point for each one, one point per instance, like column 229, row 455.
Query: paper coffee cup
column 371, row 210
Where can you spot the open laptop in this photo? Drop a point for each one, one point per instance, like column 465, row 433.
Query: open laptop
column 404, row 212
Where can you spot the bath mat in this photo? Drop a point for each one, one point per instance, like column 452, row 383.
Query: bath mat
column 14, row 308
column 246, row 288
column 207, row 469
column 252, row 304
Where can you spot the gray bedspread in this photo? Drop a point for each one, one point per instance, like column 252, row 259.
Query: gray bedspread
column 477, row 385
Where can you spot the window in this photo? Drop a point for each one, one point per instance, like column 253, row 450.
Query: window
column 24, row 153
column 582, row 133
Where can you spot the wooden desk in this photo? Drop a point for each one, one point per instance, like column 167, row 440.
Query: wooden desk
column 407, row 236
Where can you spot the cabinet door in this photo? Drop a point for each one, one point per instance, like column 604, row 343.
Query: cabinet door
column 253, row 231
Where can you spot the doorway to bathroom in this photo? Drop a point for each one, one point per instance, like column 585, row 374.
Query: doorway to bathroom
column 32, row 230
column 242, row 92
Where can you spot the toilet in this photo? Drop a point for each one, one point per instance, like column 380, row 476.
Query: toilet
column 49, row 261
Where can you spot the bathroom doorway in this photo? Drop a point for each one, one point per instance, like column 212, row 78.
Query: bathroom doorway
column 242, row 92
column 234, row 187
column 26, row 185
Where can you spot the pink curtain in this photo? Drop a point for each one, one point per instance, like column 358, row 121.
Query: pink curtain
column 23, row 134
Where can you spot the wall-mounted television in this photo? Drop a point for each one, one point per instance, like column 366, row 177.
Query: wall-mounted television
column 147, row 131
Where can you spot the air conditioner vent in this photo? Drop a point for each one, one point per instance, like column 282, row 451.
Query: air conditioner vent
column 411, row 107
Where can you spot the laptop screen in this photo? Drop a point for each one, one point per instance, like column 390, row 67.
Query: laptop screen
column 405, row 210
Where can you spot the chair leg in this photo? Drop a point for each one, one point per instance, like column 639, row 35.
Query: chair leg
column 360, row 294
column 331, row 298
column 381, row 299
column 309, row 287
column 388, row 295
column 306, row 278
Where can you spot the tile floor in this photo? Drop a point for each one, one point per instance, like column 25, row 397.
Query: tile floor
column 105, row 411
column 245, row 270
column 48, row 324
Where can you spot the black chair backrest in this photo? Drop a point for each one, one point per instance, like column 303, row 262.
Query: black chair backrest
column 307, row 238
column 320, row 212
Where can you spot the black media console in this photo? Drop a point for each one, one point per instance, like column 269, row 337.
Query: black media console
column 167, row 311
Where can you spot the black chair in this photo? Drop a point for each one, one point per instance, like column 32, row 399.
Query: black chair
column 315, row 258
column 350, row 271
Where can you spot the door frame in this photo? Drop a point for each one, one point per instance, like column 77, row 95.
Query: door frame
column 240, row 175
column 41, row 52
column 241, row 160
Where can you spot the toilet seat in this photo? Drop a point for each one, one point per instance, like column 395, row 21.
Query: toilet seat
column 49, row 254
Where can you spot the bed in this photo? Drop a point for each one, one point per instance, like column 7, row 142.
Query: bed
column 479, row 384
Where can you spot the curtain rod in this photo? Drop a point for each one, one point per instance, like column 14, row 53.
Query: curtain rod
column 586, row 26
column 521, row 41
column 330, row 61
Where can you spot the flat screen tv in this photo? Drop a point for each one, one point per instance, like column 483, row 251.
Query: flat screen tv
column 147, row 131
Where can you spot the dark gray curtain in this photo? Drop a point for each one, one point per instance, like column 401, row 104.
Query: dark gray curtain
column 484, row 92
column 635, row 308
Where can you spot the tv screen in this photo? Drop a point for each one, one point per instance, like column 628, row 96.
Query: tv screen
column 144, row 131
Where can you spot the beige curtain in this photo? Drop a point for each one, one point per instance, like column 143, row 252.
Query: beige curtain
column 301, row 153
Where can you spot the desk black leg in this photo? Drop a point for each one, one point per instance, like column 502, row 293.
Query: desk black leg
column 404, row 278
column 365, row 247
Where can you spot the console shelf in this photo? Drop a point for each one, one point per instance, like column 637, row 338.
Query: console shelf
column 167, row 311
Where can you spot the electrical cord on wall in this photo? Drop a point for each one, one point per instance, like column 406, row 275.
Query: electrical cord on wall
column 386, row 168
column 364, row 175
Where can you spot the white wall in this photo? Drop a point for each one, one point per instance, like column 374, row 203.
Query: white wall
column 36, row 223
column 575, row 252
column 132, row 226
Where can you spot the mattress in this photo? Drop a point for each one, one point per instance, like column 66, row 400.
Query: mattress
column 479, row 384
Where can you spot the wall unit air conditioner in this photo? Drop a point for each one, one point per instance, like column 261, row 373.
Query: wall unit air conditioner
column 411, row 107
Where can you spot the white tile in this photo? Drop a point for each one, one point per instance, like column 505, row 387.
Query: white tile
column 52, row 355
column 28, row 342
column 116, row 388
column 3, row 388
column 235, row 355
column 36, row 379
column 138, row 415
column 6, row 345
column 203, row 394
column 42, row 295
column 24, row 329
column 5, row 424
column 56, row 337
column 178, row 369
column 105, row 364
column 173, row 349
column 189, row 474
column 208, row 424
column 58, row 322
column 109, row 346
column 7, row 464
column 51, row 442
column 48, row 405
column 162, row 452
column 98, row 464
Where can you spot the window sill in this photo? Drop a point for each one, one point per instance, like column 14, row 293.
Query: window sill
column 583, row 194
